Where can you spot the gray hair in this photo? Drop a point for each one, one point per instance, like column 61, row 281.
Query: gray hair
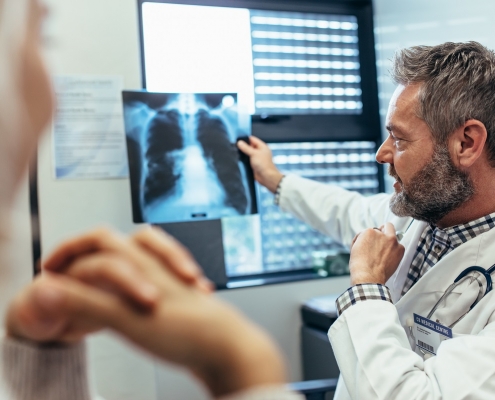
column 457, row 84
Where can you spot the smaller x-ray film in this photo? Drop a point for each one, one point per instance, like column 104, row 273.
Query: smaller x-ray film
column 184, row 164
column 243, row 252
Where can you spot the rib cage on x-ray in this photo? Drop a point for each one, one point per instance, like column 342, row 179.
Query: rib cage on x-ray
column 222, row 157
column 162, row 175
column 189, row 167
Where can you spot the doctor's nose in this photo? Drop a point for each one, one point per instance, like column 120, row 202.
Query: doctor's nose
column 384, row 155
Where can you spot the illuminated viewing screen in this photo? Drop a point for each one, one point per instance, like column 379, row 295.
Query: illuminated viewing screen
column 183, row 160
column 277, row 62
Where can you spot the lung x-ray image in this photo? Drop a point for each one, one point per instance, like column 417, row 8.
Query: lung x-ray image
column 183, row 160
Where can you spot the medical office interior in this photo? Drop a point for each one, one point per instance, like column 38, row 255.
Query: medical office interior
column 264, row 262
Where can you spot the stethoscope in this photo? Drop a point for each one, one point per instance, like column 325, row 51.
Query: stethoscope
column 463, row 276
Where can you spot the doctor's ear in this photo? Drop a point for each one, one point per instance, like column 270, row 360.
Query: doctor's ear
column 467, row 143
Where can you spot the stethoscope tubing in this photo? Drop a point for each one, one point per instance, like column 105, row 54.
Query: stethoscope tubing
column 463, row 276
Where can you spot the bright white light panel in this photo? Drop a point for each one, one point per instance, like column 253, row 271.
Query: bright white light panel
column 278, row 62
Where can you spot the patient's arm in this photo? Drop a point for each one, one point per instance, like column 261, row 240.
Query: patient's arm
column 185, row 325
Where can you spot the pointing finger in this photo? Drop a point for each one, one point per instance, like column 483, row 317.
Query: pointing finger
column 55, row 307
column 96, row 240
column 172, row 254
column 115, row 274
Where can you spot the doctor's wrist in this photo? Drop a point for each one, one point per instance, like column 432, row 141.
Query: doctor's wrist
column 363, row 278
column 270, row 179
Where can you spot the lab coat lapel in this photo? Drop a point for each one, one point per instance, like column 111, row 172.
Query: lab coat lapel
column 432, row 285
column 449, row 267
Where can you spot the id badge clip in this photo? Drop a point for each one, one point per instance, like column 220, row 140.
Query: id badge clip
column 429, row 334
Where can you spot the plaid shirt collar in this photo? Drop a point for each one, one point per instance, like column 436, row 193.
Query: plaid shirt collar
column 460, row 234
column 435, row 243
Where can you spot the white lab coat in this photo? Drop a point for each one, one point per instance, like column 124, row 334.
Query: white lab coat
column 371, row 339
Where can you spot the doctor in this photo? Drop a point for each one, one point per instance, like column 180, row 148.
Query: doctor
column 441, row 152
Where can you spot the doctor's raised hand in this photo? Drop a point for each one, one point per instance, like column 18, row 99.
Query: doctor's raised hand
column 260, row 155
column 375, row 255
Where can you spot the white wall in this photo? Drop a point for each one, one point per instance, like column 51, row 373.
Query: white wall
column 101, row 37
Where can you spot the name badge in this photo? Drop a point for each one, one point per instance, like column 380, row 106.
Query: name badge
column 429, row 334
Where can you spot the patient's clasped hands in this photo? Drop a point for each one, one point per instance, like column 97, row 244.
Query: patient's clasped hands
column 149, row 289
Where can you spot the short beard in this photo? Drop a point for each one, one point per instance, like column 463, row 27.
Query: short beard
column 436, row 190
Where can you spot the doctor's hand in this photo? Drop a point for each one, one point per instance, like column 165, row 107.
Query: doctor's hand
column 375, row 255
column 265, row 171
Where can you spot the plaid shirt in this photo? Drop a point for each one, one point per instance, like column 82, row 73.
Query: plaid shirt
column 434, row 244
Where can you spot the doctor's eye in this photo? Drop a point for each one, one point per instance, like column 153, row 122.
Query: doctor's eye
column 398, row 142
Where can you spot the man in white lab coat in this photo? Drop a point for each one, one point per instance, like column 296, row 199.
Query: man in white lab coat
column 441, row 152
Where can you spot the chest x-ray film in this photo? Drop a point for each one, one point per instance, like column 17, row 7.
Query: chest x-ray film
column 183, row 160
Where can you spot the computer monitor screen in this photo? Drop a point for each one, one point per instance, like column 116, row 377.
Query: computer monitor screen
column 294, row 63
column 183, row 159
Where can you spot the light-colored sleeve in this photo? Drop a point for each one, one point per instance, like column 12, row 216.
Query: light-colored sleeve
column 265, row 393
column 30, row 372
column 334, row 211
column 376, row 360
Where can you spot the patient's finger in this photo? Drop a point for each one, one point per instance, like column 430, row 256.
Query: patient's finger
column 58, row 308
column 90, row 242
column 105, row 240
column 171, row 253
column 115, row 274
column 205, row 285
column 102, row 240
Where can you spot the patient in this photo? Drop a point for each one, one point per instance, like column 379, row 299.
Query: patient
column 145, row 287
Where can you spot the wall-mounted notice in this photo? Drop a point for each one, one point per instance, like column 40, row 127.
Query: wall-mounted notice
column 88, row 133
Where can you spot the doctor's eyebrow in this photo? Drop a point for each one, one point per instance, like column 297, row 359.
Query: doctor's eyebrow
column 393, row 128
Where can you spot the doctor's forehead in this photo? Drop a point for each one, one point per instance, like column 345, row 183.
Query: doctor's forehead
column 404, row 103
